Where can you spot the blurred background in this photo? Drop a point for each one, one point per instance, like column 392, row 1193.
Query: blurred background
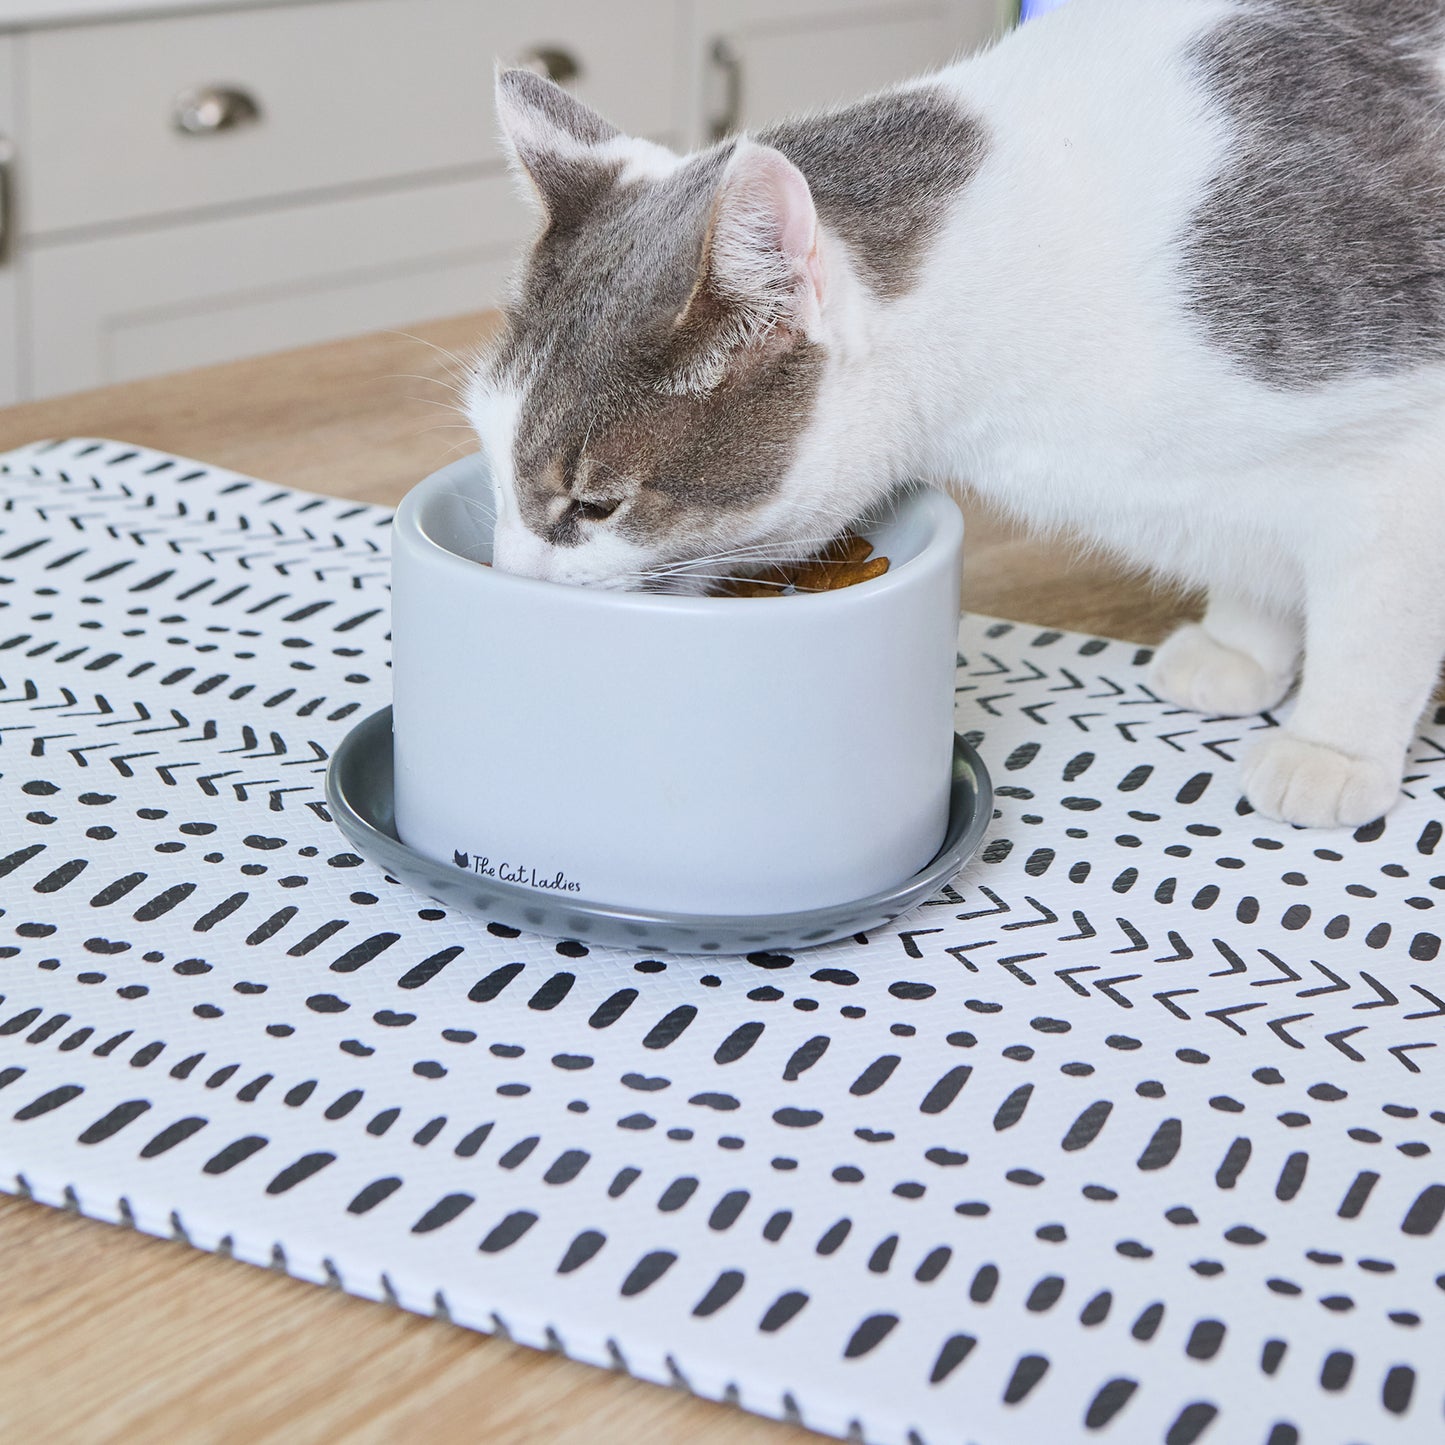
column 193, row 181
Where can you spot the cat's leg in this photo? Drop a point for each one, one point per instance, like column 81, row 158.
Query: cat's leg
column 1241, row 658
column 1375, row 632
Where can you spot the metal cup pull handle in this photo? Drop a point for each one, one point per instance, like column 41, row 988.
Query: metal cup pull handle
column 728, row 64
column 7, row 194
column 558, row 65
column 210, row 109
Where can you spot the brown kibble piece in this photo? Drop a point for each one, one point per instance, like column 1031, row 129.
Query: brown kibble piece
column 846, row 574
column 823, row 574
column 844, row 562
column 850, row 547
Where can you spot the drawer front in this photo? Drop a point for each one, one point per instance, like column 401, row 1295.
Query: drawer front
column 121, row 307
column 347, row 92
column 235, row 327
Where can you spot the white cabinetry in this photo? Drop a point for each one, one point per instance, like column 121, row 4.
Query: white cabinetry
column 197, row 182
column 367, row 190
column 346, row 94
column 355, row 181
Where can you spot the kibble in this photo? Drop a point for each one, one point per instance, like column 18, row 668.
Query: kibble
column 844, row 562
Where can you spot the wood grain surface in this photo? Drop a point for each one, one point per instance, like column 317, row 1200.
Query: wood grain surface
column 108, row 1335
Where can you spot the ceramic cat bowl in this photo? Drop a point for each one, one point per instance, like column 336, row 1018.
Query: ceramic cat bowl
column 689, row 755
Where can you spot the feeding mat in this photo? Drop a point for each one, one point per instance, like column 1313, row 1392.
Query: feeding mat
column 1133, row 1131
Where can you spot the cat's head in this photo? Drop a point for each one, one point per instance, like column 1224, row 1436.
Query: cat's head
column 644, row 407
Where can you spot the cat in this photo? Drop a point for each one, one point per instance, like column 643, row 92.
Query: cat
column 1165, row 274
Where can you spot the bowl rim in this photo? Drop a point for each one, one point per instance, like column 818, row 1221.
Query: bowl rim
column 938, row 550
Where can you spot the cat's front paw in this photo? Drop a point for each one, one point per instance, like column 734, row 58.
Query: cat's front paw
column 1315, row 786
column 1192, row 669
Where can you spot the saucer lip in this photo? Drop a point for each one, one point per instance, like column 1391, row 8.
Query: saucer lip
column 971, row 789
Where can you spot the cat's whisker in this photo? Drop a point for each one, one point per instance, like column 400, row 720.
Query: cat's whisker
column 587, row 437
column 681, row 570
column 791, row 551
column 453, row 450
column 426, row 431
column 479, row 503
column 452, row 386
column 761, row 551
column 793, row 546
column 463, row 368
column 732, row 574
column 432, row 401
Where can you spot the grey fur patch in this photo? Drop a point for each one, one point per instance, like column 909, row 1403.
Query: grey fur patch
column 1319, row 252
column 882, row 173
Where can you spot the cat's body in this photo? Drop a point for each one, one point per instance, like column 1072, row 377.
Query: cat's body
column 1168, row 274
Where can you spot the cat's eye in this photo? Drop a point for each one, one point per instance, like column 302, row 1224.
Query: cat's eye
column 595, row 511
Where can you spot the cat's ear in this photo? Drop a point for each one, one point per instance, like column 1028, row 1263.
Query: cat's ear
column 555, row 139
column 760, row 278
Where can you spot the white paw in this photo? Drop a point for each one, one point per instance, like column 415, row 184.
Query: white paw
column 1315, row 786
column 1192, row 669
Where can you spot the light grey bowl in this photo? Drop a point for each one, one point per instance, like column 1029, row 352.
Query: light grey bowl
column 685, row 754
column 359, row 793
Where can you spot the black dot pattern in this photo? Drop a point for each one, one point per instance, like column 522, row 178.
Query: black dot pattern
column 1134, row 1131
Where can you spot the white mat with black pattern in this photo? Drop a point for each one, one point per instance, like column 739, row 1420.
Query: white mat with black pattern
column 1137, row 1132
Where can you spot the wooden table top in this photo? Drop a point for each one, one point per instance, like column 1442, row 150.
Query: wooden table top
column 107, row 1334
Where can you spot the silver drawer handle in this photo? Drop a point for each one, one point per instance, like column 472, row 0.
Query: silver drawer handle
column 558, row 65
column 7, row 198
column 729, row 66
column 212, row 108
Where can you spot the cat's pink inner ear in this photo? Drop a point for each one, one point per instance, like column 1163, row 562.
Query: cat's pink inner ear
column 764, row 242
column 760, row 278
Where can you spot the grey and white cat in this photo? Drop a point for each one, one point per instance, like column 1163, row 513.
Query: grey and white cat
column 1169, row 274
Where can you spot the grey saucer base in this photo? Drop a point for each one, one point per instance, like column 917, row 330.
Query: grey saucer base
column 359, row 794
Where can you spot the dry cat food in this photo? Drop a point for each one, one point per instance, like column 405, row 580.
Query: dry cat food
column 844, row 562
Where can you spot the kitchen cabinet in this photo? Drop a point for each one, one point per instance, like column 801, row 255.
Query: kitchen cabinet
column 196, row 182
column 324, row 97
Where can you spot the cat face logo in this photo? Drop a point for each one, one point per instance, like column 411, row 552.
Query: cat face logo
column 461, row 860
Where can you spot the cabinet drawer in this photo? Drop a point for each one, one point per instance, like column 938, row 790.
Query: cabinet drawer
column 348, row 92
column 120, row 307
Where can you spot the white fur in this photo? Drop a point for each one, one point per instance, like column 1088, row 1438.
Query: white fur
column 1047, row 359
column 642, row 160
